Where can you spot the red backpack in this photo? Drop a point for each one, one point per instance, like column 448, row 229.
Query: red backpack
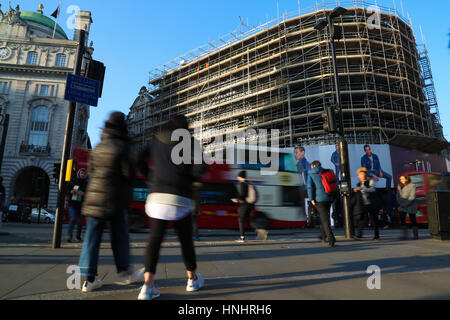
column 329, row 182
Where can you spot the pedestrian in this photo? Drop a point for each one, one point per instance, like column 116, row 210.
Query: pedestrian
column 321, row 201
column 77, row 191
column 196, row 197
column 170, row 199
column 368, row 203
column 108, row 197
column 246, row 199
column 407, row 205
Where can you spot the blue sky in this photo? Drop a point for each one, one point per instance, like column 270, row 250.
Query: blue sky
column 134, row 37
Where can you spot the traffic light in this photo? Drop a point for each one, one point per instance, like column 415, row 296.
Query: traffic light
column 56, row 171
column 95, row 70
column 336, row 33
column 329, row 121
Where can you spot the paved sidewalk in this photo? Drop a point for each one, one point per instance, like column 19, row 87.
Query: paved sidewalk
column 290, row 265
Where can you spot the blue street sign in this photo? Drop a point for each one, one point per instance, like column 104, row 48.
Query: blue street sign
column 82, row 90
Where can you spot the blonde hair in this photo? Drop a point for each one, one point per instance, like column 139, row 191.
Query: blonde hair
column 363, row 170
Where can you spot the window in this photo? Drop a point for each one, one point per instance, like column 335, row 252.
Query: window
column 417, row 179
column 32, row 58
column 60, row 60
column 3, row 87
column 44, row 90
column 39, row 126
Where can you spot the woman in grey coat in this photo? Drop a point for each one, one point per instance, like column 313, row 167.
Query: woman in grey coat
column 407, row 205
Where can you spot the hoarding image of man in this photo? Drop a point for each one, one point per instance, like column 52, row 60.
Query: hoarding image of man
column 336, row 160
column 371, row 162
column 303, row 165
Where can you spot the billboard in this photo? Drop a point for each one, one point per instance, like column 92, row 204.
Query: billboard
column 383, row 162
column 376, row 158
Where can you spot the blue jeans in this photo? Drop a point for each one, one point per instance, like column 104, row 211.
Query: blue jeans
column 120, row 244
column 75, row 213
column 388, row 178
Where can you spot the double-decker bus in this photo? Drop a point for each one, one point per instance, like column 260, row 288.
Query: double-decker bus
column 279, row 194
column 426, row 181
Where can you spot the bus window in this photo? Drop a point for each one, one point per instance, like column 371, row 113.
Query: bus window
column 417, row 179
column 288, row 163
column 218, row 194
column 291, row 196
column 140, row 194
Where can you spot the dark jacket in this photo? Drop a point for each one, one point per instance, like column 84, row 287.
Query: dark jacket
column 167, row 177
column 366, row 163
column 369, row 195
column 111, row 174
column 315, row 188
column 82, row 185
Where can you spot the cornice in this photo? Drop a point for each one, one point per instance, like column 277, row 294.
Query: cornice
column 34, row 69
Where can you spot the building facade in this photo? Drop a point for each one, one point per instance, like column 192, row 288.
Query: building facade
column 280, row 76
column 35, row 59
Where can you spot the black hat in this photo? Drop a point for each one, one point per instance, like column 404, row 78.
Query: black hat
column 243, row 174
column 116, row 121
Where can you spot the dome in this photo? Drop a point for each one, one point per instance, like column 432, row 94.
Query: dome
column 42, row 20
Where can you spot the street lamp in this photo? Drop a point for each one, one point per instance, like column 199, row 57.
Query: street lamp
column 336, row 33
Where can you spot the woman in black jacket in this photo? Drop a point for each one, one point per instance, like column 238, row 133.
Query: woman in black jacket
column 108, row 197
column 171, row 183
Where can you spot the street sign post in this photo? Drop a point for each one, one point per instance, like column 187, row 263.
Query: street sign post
column 82, row 90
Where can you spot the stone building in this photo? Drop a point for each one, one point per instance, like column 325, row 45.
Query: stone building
column 35, row 59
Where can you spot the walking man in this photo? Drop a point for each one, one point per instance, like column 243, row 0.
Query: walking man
column 246, row 199
column 321, row 201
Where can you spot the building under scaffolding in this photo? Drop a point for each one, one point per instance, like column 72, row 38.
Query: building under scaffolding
column 280, row 76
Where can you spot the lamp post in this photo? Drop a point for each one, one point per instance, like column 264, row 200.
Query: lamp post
column 335, row 33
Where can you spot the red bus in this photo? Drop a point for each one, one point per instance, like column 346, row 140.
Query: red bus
column 426, row 181
column 279, row 195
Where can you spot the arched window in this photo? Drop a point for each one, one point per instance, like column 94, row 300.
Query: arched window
column 32, row 58
column 39, row 126
column 60, row 60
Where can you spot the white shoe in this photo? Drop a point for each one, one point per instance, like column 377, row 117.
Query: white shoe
column 241, row 240
column 148, row 293
column 91, row 286
column 130, row 277
column 194, row 285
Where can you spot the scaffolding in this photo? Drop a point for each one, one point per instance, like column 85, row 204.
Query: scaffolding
column 279, row 76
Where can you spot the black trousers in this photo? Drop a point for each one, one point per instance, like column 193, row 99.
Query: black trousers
column 324, row 212
column 244, row 211
column 412, row 217
column 372, row 215
column 183, row 229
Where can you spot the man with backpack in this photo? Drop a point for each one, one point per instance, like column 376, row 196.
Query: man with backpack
column 247, row 198
column 321, row 192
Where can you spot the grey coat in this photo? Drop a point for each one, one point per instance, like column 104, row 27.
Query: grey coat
column 407, row 198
